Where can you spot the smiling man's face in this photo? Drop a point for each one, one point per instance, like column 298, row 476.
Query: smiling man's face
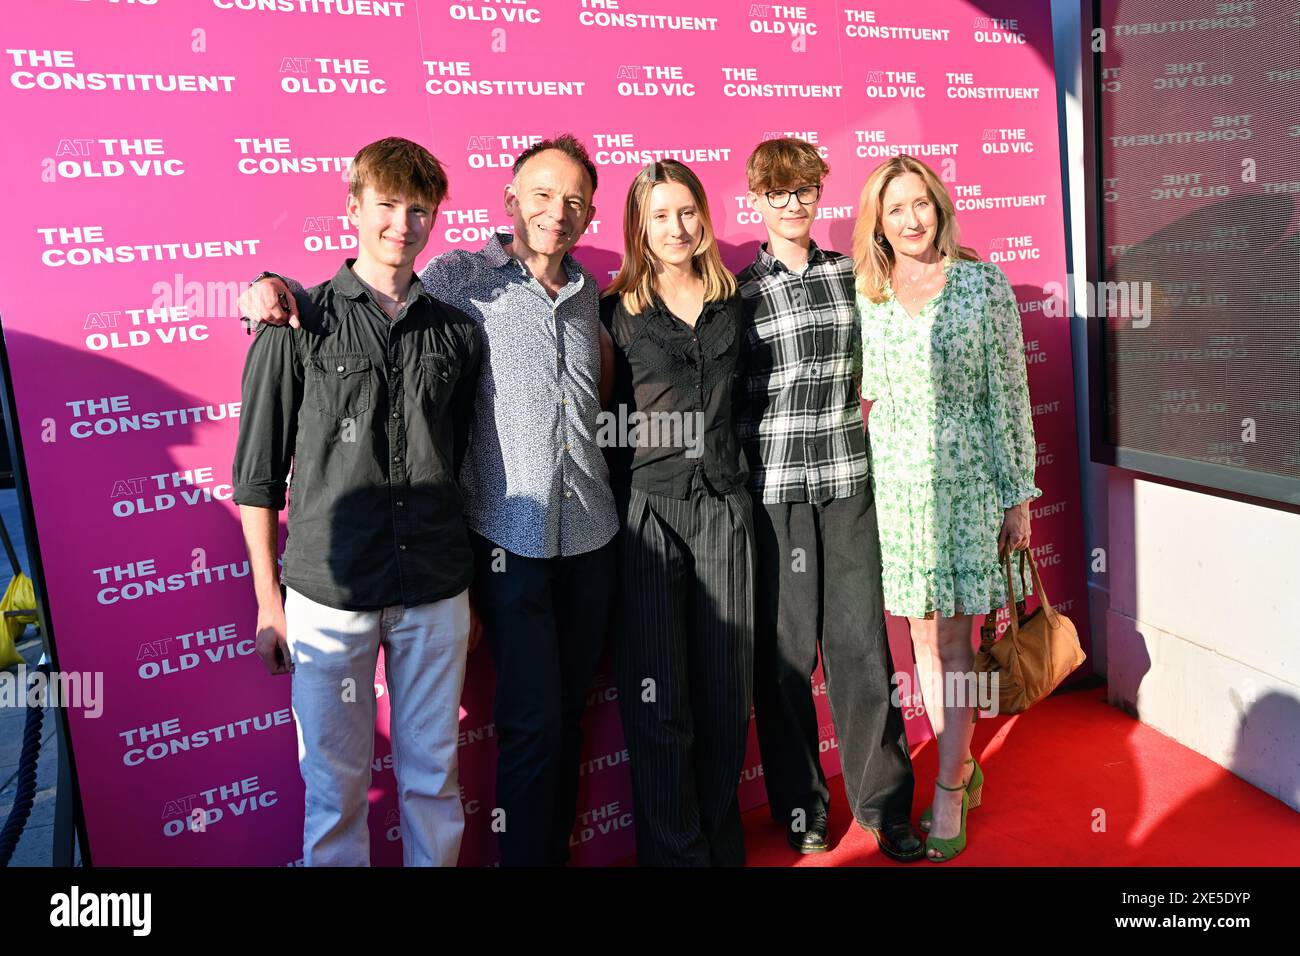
column 550, row 202
column 391, row 229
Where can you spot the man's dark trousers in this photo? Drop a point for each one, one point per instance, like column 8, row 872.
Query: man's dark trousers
column 818, row 583
column 544, row 620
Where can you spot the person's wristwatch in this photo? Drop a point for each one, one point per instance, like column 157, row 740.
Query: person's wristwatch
column 247, row 323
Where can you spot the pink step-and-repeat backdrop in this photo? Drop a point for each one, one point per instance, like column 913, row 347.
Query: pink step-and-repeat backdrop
column 161, row 153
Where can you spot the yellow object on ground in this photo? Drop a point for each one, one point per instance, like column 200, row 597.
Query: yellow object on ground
column 19, row 596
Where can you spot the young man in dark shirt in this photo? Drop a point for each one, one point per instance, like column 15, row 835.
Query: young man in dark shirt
column 818, row 572
column 535, row 482
column 369, row 402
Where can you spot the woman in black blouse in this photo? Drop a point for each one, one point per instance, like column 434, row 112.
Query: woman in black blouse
column 684, row 647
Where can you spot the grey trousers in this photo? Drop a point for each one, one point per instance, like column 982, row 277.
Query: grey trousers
column 334, row 654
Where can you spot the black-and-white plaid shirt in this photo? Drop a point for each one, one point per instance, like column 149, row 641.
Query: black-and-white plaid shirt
column 798, row 413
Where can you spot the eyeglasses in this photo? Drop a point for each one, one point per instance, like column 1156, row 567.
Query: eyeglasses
column 780, row 198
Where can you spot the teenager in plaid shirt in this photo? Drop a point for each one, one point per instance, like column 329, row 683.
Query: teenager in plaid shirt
column 817, row 580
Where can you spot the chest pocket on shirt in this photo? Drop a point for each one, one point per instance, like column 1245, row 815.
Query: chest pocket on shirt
column 343, row 384
column 438, row 374
column 721, row 346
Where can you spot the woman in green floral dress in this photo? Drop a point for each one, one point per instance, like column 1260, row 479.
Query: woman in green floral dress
column 952, row 448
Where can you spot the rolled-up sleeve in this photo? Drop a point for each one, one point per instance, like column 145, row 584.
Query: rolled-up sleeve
column 465, row 394
column 1014, row 449
column 268, row 423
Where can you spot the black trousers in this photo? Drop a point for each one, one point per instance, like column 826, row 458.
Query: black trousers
column 545, row 622
column 819, row 585
column 684, row 656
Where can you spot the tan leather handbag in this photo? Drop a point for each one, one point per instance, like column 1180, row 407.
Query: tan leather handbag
column 1035, row 653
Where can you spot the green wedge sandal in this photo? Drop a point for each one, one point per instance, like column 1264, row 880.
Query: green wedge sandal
column 949, row 846
column 974, row 789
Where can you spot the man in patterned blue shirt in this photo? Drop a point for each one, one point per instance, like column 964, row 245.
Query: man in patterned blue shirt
column 818, row 551
column 535, row 484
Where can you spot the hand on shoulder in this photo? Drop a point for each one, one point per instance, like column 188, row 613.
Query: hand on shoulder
column 269, row 300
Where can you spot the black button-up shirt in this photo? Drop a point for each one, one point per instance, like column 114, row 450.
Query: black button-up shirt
column 373, row 413
column 672, row 407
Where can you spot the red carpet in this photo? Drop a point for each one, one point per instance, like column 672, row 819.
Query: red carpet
column 1076, row 782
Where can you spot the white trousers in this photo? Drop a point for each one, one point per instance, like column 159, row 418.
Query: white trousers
column 334, row 654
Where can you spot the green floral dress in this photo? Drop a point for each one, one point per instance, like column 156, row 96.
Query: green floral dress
column 952, row 439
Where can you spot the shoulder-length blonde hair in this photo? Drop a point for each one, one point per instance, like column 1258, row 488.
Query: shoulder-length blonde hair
column 873, row 256
column 636, row 277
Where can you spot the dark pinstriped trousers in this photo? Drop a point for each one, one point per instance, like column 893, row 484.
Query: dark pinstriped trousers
column 684, row 656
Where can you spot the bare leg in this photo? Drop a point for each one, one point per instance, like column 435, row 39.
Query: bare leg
column 945, row 660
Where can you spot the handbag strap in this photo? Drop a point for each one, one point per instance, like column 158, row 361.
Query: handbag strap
column 1053, row 616
column 1013, row 632
column 1012, row 613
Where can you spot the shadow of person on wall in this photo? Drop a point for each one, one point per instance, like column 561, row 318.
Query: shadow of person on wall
column 1223, row 823
column 75, row 485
